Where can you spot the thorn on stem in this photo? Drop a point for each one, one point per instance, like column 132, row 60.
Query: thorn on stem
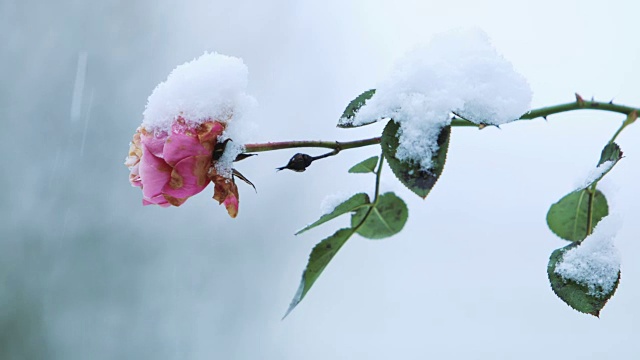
column 580, row 100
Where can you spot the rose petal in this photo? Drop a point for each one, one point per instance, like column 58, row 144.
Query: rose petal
column 208, row 133
column 189, row 177
column 172, row 166
column 154, row 141
column 154, row 174
column 134, row 175
column 174, row 201
column 231, row 203
column 179, row 146
column 226, row 192
column 157, row 200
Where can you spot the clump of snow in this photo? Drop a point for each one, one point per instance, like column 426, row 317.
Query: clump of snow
column 596, row 173
column 224, row 165
column 330, row 202
column 209, row 87
column 594, row 263
column 611, row 190
column 458, row 71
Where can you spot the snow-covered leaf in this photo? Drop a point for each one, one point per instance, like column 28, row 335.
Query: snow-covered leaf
column 387, row 217
column 611, row 152
column 409, row 173
column 320, row 257
column 366, row 166
column 609, row 157
column 576, row 295
column 354, row 203
column 568, row 218
column 346, row 120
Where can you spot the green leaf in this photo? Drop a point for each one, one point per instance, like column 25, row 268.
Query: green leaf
column 409, row 173
column 387, row 217
column 611, row 152
column 366, row 166
column 575, row 295
column 320, row 257
column 609, row 157
column 354, row 203
column 568, row 218
column 346, row 120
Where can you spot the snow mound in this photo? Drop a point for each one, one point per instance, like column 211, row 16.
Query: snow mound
column 209, row 87
column 594, row 263
column 458, row 71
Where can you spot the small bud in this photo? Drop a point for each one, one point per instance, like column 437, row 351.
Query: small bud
column 299, row 162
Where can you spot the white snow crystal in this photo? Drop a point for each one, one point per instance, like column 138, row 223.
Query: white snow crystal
column 458, row 71
column 209, row 87
column 594, row 174
column 224, row 165
column 595, row 262
column 330, row 202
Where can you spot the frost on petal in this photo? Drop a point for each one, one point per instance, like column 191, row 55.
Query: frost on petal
column 458, row 71
column 226, row 192
column 595, row 263
column 154, row 175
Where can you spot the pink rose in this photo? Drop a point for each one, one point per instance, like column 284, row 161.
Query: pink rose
column 171, row 167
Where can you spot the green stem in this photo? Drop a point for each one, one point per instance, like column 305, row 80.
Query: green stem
column 375, row 199
column 579, row 104
column 377, row 191
column 335, row 145
column 591, row 191
column 631, row 118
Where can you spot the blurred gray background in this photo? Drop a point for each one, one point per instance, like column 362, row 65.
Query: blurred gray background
column 86, row 272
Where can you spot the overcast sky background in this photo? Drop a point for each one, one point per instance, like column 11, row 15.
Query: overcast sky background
column 86, row 272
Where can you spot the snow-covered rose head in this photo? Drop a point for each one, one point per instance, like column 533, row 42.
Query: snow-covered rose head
column 171, row 155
